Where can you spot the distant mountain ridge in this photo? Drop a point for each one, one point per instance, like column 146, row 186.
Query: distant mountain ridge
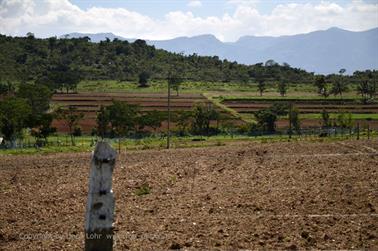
column 324, row 51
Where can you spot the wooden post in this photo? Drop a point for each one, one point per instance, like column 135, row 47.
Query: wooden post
column 358, row 131
column 368, row 131
column 100, row 205
column 290, row 114
column 169, row 115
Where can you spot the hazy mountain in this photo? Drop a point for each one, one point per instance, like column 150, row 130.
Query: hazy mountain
column 320, row 51
column 96, row 37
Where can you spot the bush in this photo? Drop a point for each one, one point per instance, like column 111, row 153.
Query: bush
column 94, row 131
column 77, row 132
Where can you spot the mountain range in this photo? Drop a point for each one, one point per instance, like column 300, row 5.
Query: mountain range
column 325, row 51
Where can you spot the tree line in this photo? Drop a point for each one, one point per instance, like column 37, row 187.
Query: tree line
column 62, row 63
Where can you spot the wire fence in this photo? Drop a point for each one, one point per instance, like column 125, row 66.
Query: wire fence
column 89, row 141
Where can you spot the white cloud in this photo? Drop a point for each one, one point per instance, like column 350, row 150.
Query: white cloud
column 249, row 3
column 194, row 3
column 51, row 17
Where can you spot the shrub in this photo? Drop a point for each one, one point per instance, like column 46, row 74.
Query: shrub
column 77, row 131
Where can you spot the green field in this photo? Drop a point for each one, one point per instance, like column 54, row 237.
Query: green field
column 226, row 90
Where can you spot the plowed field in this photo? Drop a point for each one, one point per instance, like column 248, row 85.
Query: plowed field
column 245, row 196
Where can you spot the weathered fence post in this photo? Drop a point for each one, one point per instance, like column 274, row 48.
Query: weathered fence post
column 100, row 205
column 358, row 131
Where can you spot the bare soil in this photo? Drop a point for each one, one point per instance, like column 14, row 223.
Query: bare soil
column 248, row 196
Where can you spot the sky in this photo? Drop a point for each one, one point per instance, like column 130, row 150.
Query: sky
column 228, row 20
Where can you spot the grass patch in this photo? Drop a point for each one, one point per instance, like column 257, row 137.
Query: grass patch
column 230, row 89
column 143, row 190
column 359, row 116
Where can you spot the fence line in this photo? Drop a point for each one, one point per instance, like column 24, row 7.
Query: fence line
column 305, row 134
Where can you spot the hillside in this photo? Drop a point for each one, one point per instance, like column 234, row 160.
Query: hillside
column 321, row 51
column 30, row 58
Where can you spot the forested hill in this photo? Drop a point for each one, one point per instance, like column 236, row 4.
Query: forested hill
column 32, row 59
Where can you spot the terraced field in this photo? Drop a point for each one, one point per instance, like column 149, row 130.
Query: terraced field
column 310, row 106
column 90, row 103
column 304, row 106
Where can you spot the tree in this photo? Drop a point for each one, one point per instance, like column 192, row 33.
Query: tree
column 102, row 121
column 174, row 81
column 326, row 121
column 6, row 88
column 366, row 87
column 266, row 120
column 342, row 71
column 338, row 86
column 261, row 86
column 259, row 74
column 143, row 79
column 122, row 117
column 38, row 97
column 61, row 77
column 72, row 119
column 203, row 114
column 282, row 87
column 14, row 113
column 44, row 129
column 344, row 120
column 321, row 86
column 363, row 88
column 151, row 119
column 183, row 122
column 295, row 124
column 279, row 108
column 270, row 63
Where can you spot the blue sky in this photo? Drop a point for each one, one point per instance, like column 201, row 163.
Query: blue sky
column 164, row 19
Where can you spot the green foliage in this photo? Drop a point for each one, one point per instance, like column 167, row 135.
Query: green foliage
column 294, row 120
column 14, row 115
column 339, row 86
column 143, row 190
column 59, row 63
column 266, row 120
column 38, row 98
column 344, row 120
column 367, row 86
column 203, row 114
column 6, row 88
column 143, row 79
column 282, row 87
column 43, row 129
column 326, row 121
column 280, row 109
column 77, row 131
column 174, row 81
column 261, row 87
column 183, row 122
column 152, row 119
column 321, row 85
column 122, row 117
column 102, row 121
column 72, row 119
